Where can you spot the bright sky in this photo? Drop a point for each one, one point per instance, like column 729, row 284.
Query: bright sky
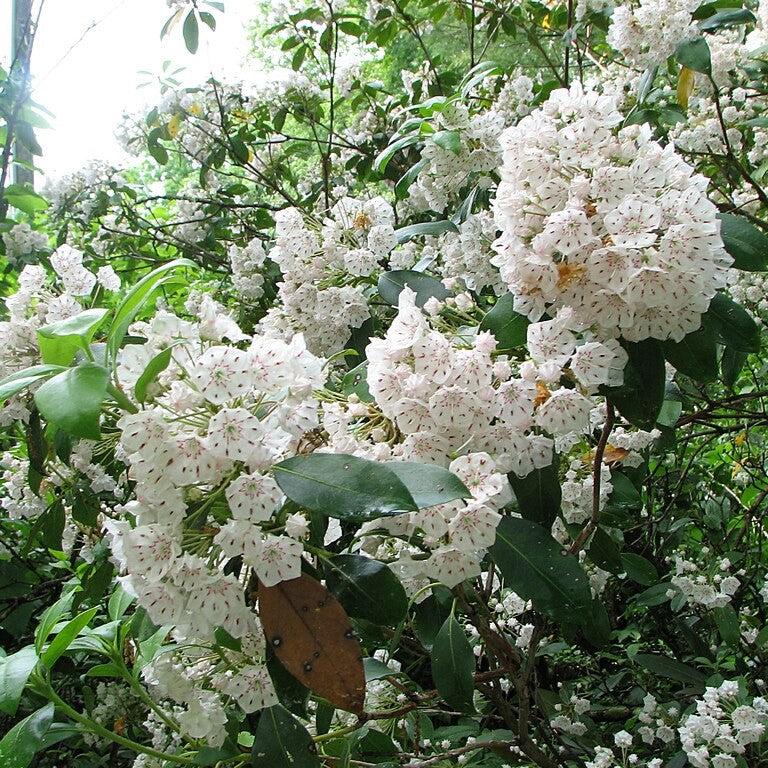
column 86, row 61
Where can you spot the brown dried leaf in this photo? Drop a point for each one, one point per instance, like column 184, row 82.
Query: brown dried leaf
column 613, row 454
column 311, row 634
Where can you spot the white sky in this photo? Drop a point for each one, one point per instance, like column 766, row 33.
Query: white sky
column 85, row 66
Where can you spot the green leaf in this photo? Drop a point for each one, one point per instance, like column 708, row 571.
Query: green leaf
column 429, row 484
column 24, row 198
column 695, row 55
column 367, row 589
column 453, row 666
column 428, row 617
column 191, row 32
column 639, row 569
column 729, row 18
column 16, row 382
column 640, row 397
column 119, row 602
column 50, row 618
column 209, row 19
column 509, row 327
column 747, row 245
column 136, row 298
column 72, row 399
column 450, row 140
column 696, row 355
column 376, row 670
column 383, row 158
column 282, row 742
column 14, row 672
column 149, row 647
column 391, row 284
column 733, row 324
column 154, row 368
column 355, row 382
column 533, row 565
column 342, row 486
column 538, row 494
column 60, row 341
column 433, row 228
column 604, row 552
column 731, row 364
column 728, row 625
column 664, row 666
column 624, row 494
column 21, row 743
column 69, row 632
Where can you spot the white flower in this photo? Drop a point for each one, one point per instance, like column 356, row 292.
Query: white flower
column 222, row 374
column 622, row 739
column 279, row 560
column 108, row 278
column 253, row 497
column 234, row 433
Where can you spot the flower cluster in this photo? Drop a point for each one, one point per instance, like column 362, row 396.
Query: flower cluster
column 323, row 265
column 713, row 589
column 648, row 33
column 606, row 222
column 724, row 725
column 21, row 240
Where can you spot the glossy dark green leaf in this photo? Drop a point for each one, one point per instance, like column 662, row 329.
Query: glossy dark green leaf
column 695, row 55
column 209, row 19
column 453, row 666
column 281, row 741
column 664, row 666
column 366, row 588
column 538, row 494
column 382, row 160
column 532, row 563
column 65, row 636
column 726, row 18
column 375, row 669
column 731, row 364
column 355, row 382
column 728, row 625
column 640, row 397
column 428, row 616
column 696, row 355
column 429, row 484
column 343, row 486
column 624, row 495
column 509, row 327
column 604, row 552
column 747, row 245
column 733, row 324
column 391, row 284
column 19, row 745
column 72, row 399
column 639, row 569
column 291, row 693
column 15, row 669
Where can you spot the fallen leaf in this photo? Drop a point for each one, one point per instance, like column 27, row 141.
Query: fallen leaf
column 312, row 636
